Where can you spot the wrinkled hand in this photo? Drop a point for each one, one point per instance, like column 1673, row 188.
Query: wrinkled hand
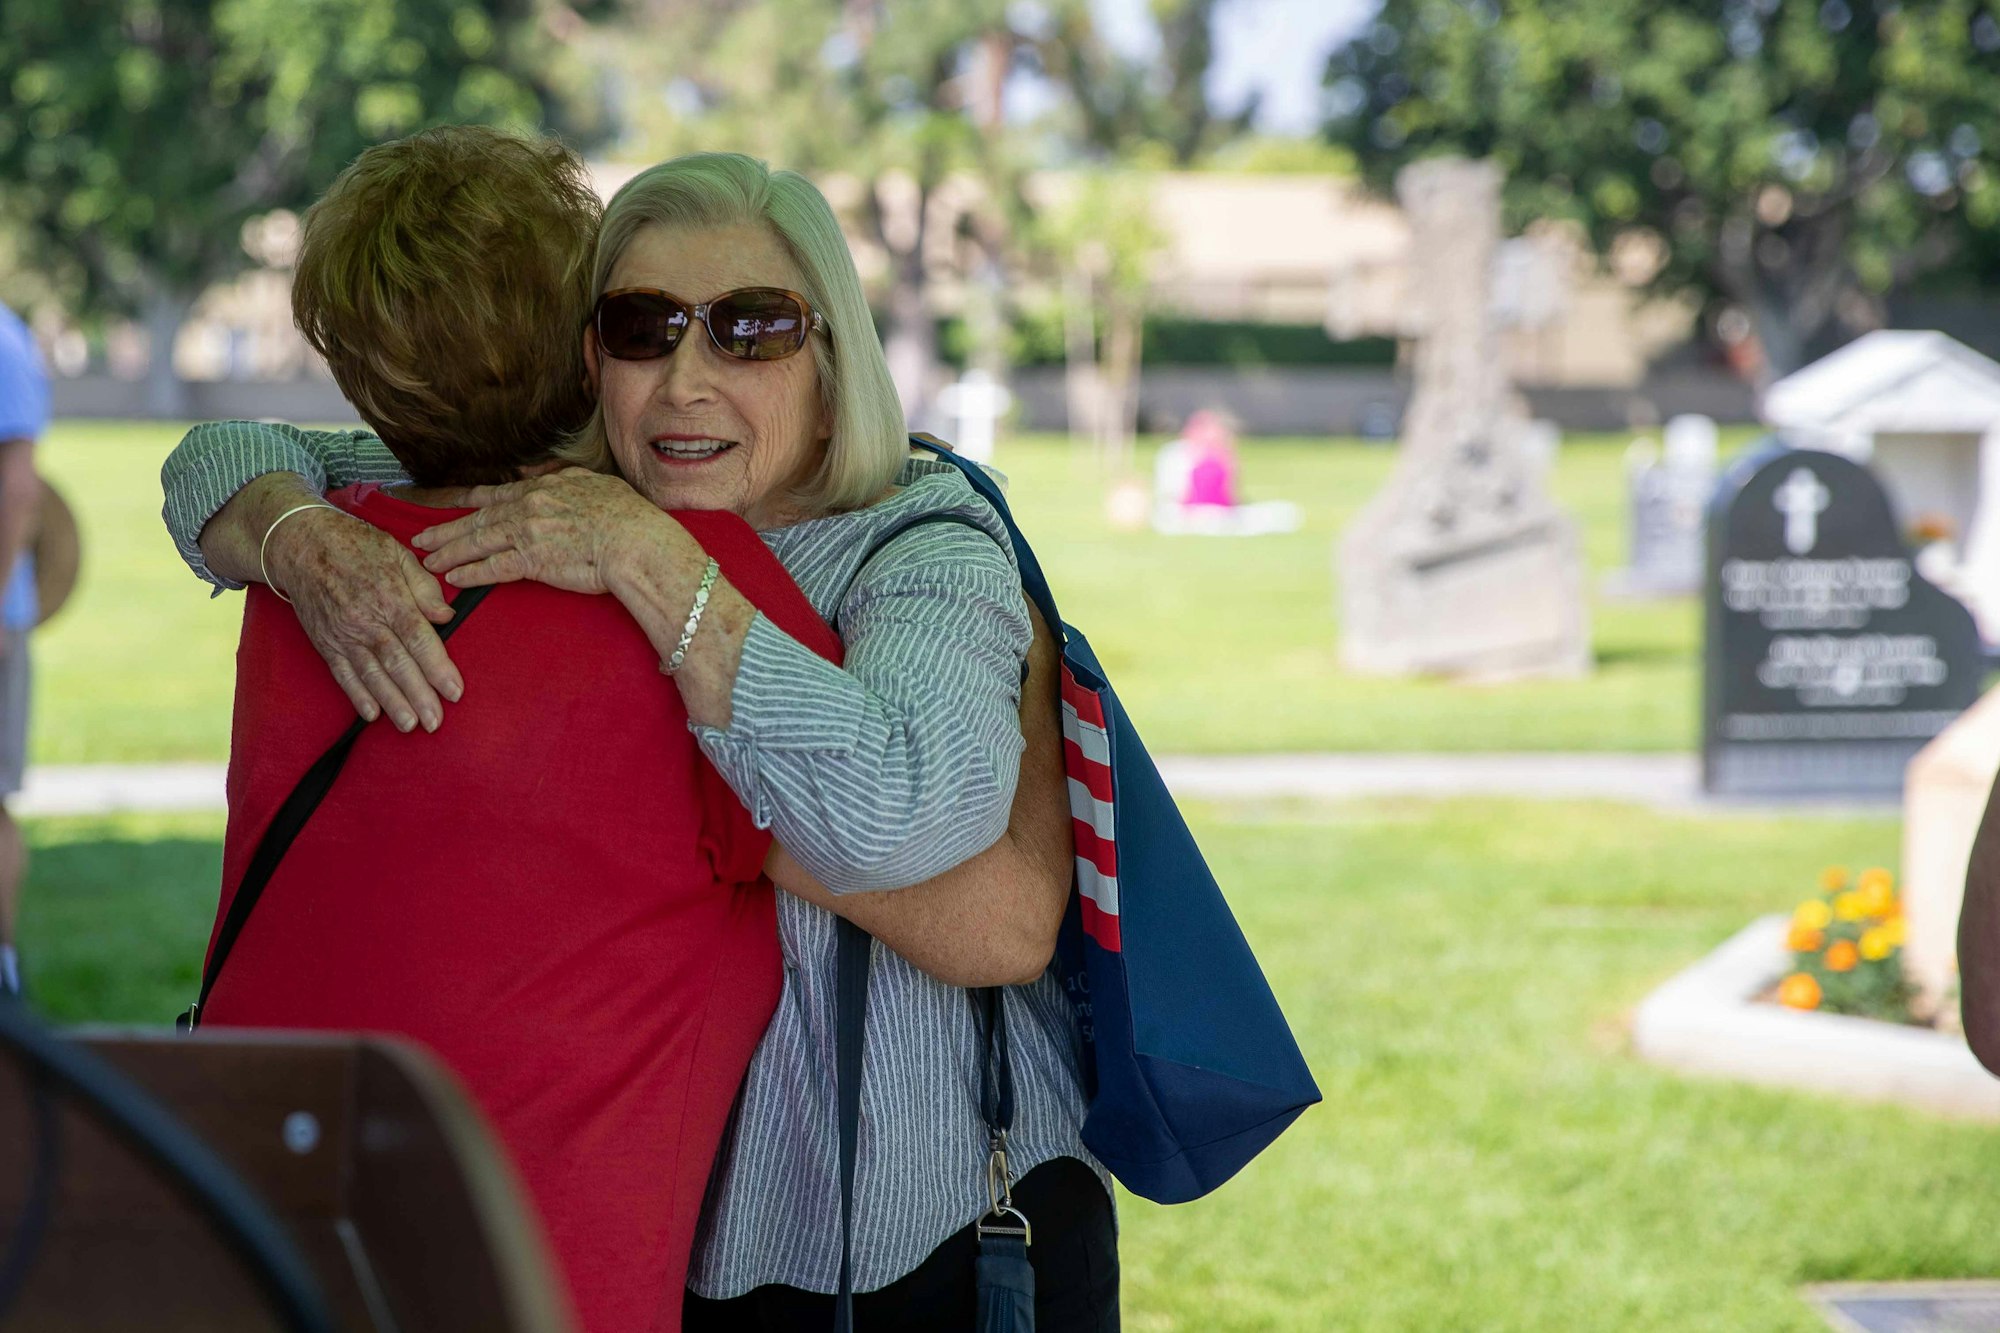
column 369, row 608
column 562, row 529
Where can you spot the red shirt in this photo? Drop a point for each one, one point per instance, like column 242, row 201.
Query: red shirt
column 554, row 892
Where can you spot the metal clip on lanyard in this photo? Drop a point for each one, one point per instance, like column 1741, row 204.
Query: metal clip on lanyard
column 1003, row 1278
column 996, row 1107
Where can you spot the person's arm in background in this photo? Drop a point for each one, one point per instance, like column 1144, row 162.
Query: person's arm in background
column 992, row 921
column 20, row 493
column 371, row 609
column 1979, row 941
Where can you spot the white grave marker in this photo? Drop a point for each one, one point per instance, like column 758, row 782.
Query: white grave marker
column 975, row 404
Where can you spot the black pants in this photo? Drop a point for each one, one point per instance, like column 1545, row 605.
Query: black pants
column 1075, row 1257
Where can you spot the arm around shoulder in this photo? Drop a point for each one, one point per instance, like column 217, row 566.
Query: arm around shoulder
column 902, row 763
column 993, row 920
column 217, row 461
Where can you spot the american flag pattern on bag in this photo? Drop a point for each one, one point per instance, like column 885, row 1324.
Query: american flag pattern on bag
column 1087, row 757
column 1188, row 1063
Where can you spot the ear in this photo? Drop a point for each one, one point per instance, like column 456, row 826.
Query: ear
column 592, row 366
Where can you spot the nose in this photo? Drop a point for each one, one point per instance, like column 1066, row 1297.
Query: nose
column 687, row 374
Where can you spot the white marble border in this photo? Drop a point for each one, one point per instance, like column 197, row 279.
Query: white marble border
column 1707, row 1021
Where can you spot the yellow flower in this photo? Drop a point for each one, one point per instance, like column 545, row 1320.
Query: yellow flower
column 1876, row 944
column 1833, row 879
column 1813, row 914
column 1849, row 907
column 1877, row 892
column 1799, row 991
column 1804, row 939
column 1841, row 956
column 1894, row 930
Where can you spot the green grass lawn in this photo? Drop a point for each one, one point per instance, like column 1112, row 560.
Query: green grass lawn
column 1216, row 645
column 1490, row 1154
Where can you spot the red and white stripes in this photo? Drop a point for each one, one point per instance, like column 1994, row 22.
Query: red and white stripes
column 1087, row 757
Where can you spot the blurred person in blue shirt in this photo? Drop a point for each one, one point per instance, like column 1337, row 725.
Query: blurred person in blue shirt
column 24, row 415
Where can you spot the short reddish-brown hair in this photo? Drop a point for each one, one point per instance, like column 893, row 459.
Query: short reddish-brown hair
column 445, row 278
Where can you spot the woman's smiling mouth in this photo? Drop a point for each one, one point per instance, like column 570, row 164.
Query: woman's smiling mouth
column 675, row 449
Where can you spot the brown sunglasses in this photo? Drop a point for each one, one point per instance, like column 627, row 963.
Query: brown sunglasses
column 750, row 324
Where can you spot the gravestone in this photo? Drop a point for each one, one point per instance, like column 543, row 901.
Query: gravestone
column 1922, row 411
column 1669, row 504
column 1461, row 565
column 1829, row 660
column 975, row 403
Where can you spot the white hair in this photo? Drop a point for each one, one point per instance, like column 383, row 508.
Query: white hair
column 868, row 442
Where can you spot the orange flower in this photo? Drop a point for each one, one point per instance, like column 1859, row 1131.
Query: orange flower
column 1799, row 991
column 1833, row 879
column 1877, row 892
column 1804, row 939
column 1841, row 956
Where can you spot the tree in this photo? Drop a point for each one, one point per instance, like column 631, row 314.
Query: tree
column 903, row 95
column 1104, row 243
column 1801, row 160
column 1124, row 104
column 907, row 96
column 138, row 137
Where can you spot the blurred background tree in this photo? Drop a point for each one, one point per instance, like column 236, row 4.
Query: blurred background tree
column 139, row 137
column 915, row 100
column 1103, row 241
column 1798, row 160
column 900, row 96
column 1124, row 104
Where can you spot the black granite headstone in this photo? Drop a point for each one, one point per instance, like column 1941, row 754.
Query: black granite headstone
column 1829, row 661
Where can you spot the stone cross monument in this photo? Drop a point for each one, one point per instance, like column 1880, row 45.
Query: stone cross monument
column 1461, row 565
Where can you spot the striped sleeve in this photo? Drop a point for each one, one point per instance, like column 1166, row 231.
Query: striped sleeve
column 217, row 459
column 900, row 765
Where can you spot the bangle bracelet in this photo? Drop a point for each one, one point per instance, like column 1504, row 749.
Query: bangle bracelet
column 708, row 573
column 263, row 547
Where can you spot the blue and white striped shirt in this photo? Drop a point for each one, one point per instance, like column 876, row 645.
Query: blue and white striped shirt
column 884, row 772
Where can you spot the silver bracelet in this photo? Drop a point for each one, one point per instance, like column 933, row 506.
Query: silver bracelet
column 708, row 573
column 263, row 547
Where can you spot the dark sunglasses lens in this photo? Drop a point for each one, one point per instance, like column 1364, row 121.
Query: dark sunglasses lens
column 760, row 324
column 637, row 326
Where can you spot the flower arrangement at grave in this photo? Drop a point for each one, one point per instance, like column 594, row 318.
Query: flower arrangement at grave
column 1932, row 537
column 1931, row 527
column 1846, row 943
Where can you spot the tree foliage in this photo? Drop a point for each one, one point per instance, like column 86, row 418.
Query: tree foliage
column 1125, row 106
column 137, row 137
column 898, row 95
column 1800, row 159
column 906, row 97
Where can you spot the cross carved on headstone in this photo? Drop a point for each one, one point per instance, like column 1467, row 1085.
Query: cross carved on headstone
column 1801, row 499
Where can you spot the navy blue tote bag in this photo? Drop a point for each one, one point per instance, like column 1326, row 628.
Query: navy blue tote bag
column 1189, row 1067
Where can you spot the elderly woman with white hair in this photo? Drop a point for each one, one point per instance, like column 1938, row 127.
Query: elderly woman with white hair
column 712, row 274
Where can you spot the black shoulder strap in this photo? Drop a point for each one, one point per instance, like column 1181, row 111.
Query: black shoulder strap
column 286, row 825
column 852, row 959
